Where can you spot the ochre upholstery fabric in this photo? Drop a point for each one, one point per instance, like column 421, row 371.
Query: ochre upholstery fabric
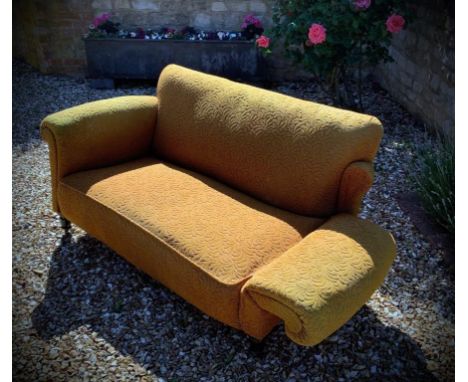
column 98, row 134
column 285, row 151
column 240, row 200
column 319, row 283
column 356, row 180
column 178, row 225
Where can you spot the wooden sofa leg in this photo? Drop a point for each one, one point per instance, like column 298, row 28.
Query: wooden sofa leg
column 256, row 346
column 64, row 223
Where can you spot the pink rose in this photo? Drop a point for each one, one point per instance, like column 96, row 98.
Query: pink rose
column 317, row 34
column 395, row 23
column 263, row 41
column 362, row 4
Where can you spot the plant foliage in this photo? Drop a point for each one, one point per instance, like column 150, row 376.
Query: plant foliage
column 434, row 177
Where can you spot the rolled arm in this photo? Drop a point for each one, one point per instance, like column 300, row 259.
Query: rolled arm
column 318, row 284
column 356, row 180
column 97, row 134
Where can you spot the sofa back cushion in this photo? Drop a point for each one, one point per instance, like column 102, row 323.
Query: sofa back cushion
column 285, row 151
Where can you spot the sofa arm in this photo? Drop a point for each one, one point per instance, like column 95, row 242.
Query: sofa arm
column 356, row 180
column 318, row 284
column 98, row 134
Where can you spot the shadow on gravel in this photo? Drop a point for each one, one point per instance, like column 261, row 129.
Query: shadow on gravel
column 90, row 285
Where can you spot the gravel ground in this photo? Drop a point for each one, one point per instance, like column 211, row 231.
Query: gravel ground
column 80, row 312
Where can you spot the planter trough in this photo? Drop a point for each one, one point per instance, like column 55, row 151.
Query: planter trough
column 110, row 59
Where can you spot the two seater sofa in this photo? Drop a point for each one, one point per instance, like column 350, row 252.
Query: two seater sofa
column 242, row 201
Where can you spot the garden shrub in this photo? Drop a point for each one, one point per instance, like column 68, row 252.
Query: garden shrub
column 434, row 177
column 333, row 39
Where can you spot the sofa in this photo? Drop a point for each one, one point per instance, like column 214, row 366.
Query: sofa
column 242, row 201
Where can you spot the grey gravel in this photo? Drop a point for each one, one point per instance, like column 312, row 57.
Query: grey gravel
column 81, row 313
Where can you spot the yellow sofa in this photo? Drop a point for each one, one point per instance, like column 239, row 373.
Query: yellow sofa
column 242, row 201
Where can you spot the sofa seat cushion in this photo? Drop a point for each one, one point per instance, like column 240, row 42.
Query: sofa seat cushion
column 199, row 237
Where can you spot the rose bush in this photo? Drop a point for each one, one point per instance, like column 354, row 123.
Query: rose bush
column 334, row 39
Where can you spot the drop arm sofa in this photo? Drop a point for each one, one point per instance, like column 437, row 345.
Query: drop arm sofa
column 241, row 200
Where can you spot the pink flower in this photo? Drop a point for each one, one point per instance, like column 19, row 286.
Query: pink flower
column 362, row 4
column 263, row 41
column 395, row 23
column 251, row 20
column 97, row 21
column 317, row 34
column 101, row 19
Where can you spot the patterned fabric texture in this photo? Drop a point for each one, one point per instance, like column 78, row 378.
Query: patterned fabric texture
column 285, row 151
column 240, row 200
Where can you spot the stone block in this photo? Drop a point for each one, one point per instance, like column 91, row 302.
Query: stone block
column 238, row 6
column 258, row 6
column 201, row 20
column 411, row 96
column 411, row 68
column 121, row 4
column 145, row 5
column 133, row 19
column 218, row 6
column 232, row 20
column 417, row 87
column 102, row 4
column 406, row 80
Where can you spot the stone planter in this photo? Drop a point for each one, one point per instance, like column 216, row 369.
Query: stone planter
column 110, row 59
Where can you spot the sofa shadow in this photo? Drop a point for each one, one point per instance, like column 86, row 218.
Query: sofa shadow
column 90, row 285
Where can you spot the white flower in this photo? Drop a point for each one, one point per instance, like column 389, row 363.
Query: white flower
column 92, row 26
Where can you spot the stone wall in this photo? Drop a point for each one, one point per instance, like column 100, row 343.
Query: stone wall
column 48, row 33
column 422, row 78
column 202, row 14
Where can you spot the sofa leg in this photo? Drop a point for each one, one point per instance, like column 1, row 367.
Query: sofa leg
column 64, row 223
column 256, row 346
